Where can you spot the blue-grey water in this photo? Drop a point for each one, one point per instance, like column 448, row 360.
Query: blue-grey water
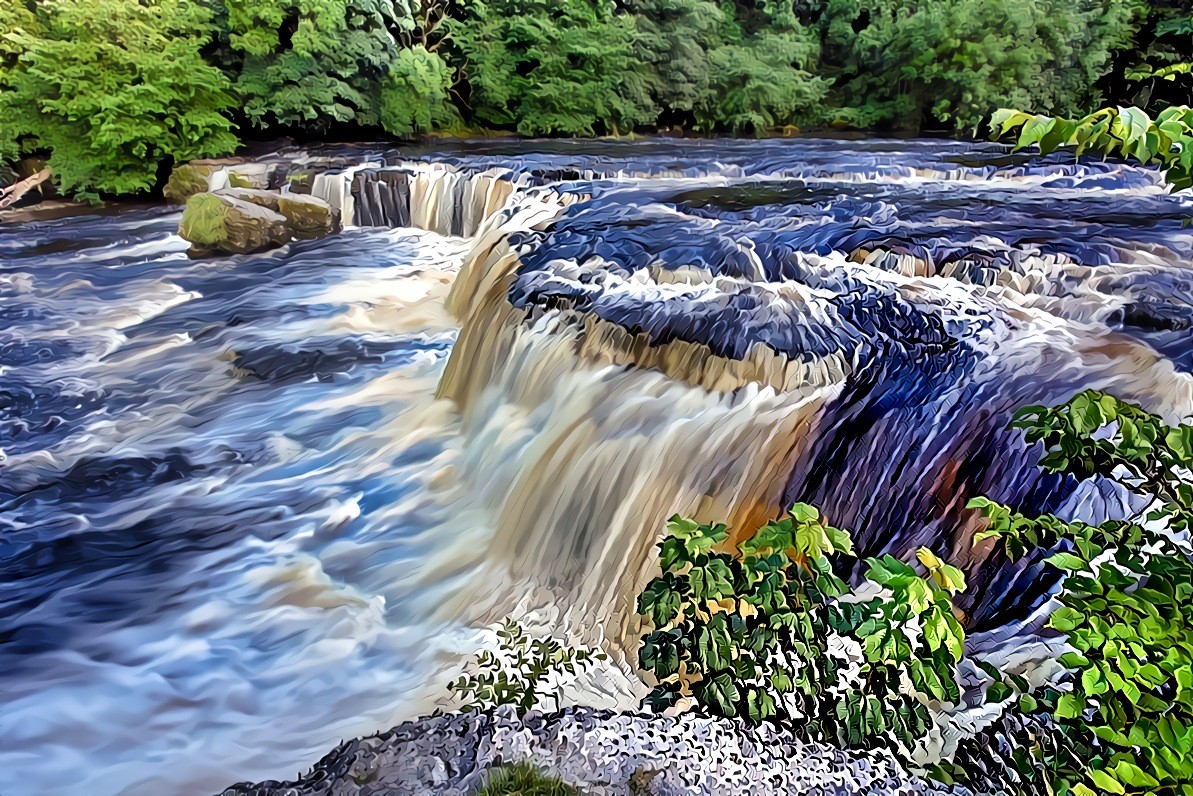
column 228, row 497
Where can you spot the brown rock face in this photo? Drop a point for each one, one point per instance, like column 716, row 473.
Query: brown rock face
column 309, row 217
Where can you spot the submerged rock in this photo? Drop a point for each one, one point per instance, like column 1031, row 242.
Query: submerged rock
column 220, row 223
column 599, row 752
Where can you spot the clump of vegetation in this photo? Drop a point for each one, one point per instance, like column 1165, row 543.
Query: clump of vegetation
column 519, row 672
column 1122, row 723
column 110, row 89
column 523, row 779
column 767, row 632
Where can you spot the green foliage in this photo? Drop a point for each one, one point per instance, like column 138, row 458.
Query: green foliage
column 313, row 62
column 523, row 779
column 1156, row 71
column 763, row 632
column 554, row 68
column 1128, row 132
column 1124, row 724
column 955, row 60
column 111, row 88
column 414, row 96
column 759, row 83
column 517, row 674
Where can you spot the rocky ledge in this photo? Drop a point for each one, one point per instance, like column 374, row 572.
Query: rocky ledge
column 599, row 752
column 246, row 220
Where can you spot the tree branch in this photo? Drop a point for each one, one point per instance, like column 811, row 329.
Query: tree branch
column 13, row 193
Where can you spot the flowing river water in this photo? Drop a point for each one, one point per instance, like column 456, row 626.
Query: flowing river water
column 248, row 508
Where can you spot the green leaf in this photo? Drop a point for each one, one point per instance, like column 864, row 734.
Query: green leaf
column 719, row 694
column 1107, row 783
column 1067, row 561
column 841, row 540
column 997, row 692
column 661, row 600
column 1130, row 774
column 1069, row 707
column 713, row 581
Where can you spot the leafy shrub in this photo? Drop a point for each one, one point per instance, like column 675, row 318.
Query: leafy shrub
column 523, row 779
column 517, row 674
column 765, row 632
column 760, row 83
column 554, row 68
column 111, row 89
column 1128, row 132
column 1125, row 722
column 414, row 96
column 313, row 62
column 954, row 60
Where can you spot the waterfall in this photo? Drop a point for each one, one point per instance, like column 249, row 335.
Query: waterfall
column 612, row 430
column 600, row 395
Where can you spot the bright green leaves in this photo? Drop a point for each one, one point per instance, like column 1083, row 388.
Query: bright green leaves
column 414, row 95
column 747, row 633
column 692, row 538
column 517, row 673
column 1121, row 721
column 1124, row 131
column 945, row 576
column 112, row 88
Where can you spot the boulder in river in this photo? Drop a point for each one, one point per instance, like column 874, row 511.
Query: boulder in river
column 309, row 217
column 188, row 179
column 255, row 196
column 600, row 753
column 243, row 220
column 221, row 223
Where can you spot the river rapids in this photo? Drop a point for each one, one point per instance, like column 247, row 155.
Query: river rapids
column 251, row 506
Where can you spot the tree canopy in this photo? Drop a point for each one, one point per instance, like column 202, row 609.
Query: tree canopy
column 113, row 90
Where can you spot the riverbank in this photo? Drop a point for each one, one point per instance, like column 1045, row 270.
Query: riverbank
column 600, row 753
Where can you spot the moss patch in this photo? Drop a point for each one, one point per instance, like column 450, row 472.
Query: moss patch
column 523, row 779
column 204, row 219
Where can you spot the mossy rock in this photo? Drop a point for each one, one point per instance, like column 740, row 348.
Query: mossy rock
column 253, row 196
column 188, row 179
column 222, row 223
column 250, row 175
column 309, row 217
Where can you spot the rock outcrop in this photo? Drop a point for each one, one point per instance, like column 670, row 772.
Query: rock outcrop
column 600, row 753
column 215, row 222
column 309, row 217
column 188, row 179
column 245, row 220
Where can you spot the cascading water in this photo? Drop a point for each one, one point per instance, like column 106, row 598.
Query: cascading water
column 237, row 524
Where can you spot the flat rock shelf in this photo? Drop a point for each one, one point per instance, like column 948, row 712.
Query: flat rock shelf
column 598, row 752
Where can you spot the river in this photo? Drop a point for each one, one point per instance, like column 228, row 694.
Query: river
column 248, row 509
